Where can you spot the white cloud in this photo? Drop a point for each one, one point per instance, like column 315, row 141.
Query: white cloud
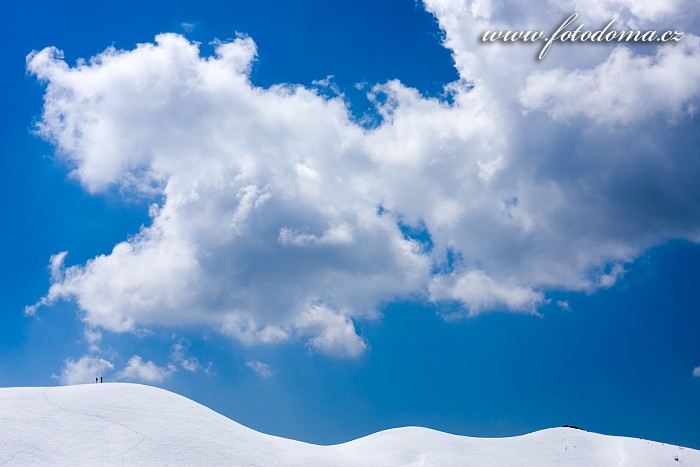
column 696, row 372
column 636, row 13
column 84, row 370
column 332, row 332
column 56, row 270
column 179, row 356
column 261, row 369
column 242, row 242
column 138, row 370
column 478, row 292
column 609, row 279
column 281, row 217
column 93, row 338
column 668, row 81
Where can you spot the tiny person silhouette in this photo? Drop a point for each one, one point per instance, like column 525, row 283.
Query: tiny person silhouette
column 95, row 380
column 100, row 379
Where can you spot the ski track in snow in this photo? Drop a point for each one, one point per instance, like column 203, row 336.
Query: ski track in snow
column 131, row 448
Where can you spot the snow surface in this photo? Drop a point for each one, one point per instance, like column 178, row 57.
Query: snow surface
column 131, row 424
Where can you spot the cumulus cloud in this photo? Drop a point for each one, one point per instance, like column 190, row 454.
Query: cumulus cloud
column 84, row 370
column 479, row 293
column 696, row 372
column 282, row 218
column 89, row 367
column 623, row 88
column 634, row 13
column 148, row 372
column 333, row 333
column 261, row 369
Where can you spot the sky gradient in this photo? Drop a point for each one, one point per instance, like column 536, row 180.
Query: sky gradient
column 327, row 221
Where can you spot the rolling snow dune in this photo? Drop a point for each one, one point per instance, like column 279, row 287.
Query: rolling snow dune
column 131, row 424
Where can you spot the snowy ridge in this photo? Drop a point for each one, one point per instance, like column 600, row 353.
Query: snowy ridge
column 131, row 424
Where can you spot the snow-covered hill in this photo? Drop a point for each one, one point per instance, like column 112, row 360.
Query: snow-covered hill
column 131, row 424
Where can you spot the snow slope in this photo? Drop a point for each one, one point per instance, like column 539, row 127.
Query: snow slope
column 131, row 424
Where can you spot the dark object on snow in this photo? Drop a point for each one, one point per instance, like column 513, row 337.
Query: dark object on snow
column 100, row 379
column 572, row 426
column 95, row 380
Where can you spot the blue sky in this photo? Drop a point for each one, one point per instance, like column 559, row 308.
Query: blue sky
column 483, row 243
